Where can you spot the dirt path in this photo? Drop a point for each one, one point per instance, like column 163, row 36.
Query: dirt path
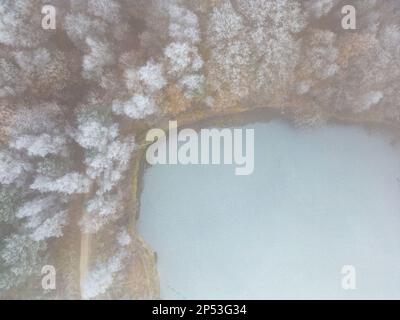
column 84, row 259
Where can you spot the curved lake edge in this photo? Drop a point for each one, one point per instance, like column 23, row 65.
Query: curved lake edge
column 231, row 118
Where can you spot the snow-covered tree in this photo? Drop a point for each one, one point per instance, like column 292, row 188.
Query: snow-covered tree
column 107, row 169
column 321, row 62
column 323, row 54
column 107, row 157
column 101, row 277
column 12, row 167
column 192, row 84
column 319, row 8
column 138, row 107
column 71, row 183
column 100, row 56
column 21, row 257
column 37, row 119
column 92, row 134
column 112, row 161
column 109, row 10
column 182, row 57
column 183, row 61
column 10, row 199
column 123, row 238
column 17, row 18
column 184, row 24
column 146, row 82
column 11, row 80
column 101, row 210
column 35, row 206
column 260, row 56
column 50, row 227
column 79, row 25
column 225, row 23
column 152, row 77
column 41, row 145
column 53, row 166
column 370, row 99
column 390, row 39
column 103, row 205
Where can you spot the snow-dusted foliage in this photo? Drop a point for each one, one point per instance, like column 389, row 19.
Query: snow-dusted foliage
column 51, row 227
column 101, row 210
column 71, row 183
column 124, row 238
column 319, row 8
column 37, row 72
column 102, row 276
column 79, row 25
column 10, row 199
column 182, row 57
column 225, row 23
column 11, row 82
column 43, row 217
column 151, row 76
column 262, row 54
column 17, row 18
column 107, row 168
column 92, row 134
column 184, row 25
column 146, row 82
column 107, row 157
column 183, row 60
column 370, row 99
column 39, row 145
column 109, row 10
column 102, row 206
column 323, row 54
column 34, row 207
column 138, row 107
column 111, row 163
column 35, row 137
column 100, row 56
column 21, row 256
column 37, row 119
column 11, row 167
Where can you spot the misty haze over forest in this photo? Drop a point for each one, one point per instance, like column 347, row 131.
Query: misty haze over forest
column 75, row 101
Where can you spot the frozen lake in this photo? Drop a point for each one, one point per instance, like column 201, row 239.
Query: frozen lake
column 319, row 199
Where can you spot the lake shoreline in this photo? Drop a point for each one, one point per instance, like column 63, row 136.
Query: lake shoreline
column 228, row 118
